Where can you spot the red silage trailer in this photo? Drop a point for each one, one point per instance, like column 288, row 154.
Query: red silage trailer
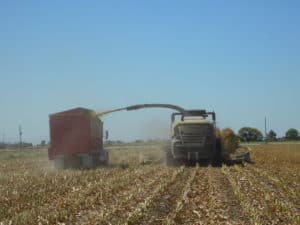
column 76, row 139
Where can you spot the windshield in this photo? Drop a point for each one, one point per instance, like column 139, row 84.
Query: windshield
column 196, row 129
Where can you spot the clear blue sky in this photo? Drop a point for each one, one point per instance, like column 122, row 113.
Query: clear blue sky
column 239, row 58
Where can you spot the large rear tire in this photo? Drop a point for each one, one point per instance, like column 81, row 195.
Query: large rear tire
column 170, row 161
column 218, row 152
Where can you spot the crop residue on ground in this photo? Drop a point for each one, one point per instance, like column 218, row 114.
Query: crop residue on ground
column 266, row 192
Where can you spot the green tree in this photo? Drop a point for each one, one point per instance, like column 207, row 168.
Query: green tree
column 2, row 145
column 271, row 136
column 292, row 134
column 43, row 143
column 250, row 134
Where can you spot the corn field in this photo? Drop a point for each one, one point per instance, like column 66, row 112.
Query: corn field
column 266, row 191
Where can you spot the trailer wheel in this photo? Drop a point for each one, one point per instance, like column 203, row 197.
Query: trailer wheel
column 104, row 157
column 73, row 162
column 59, row 163
column 87, row 161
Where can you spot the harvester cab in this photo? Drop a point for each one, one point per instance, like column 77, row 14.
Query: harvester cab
column 194, row 113
column 193, row 137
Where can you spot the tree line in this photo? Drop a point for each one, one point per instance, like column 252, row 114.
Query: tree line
column 16, row 145
column 248, row 134
column 245, row 134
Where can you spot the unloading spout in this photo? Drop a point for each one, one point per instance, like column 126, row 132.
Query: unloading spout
column 168, row 106
column 102, row 113
column 141, row 106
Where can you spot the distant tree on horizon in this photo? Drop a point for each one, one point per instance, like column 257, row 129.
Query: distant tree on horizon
column 248, row 134
column 292, row 134
column 43, row 143
column 271, row 136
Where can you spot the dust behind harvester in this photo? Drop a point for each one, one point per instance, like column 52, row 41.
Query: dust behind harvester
column 76, row 139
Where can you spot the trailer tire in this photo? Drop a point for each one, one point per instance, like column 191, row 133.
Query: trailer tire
column 104, row 157
column 87, row 161
column 59, row 163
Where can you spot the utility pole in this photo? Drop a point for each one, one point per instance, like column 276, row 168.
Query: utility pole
column 266, row 129
column 265, row 126
column 3, row 140
column 20, row 137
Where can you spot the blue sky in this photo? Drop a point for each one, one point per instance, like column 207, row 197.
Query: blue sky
column 239, row 58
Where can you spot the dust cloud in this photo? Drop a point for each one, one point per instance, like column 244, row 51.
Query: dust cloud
column 156, row 129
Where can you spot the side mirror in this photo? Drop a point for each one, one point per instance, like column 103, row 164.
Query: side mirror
column 214, row 116
column 106, row 134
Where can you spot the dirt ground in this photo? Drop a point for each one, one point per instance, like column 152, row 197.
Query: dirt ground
column 266, row 191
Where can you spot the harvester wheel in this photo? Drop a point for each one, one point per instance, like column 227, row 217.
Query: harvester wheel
column 218, row 152
column 169, row 157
